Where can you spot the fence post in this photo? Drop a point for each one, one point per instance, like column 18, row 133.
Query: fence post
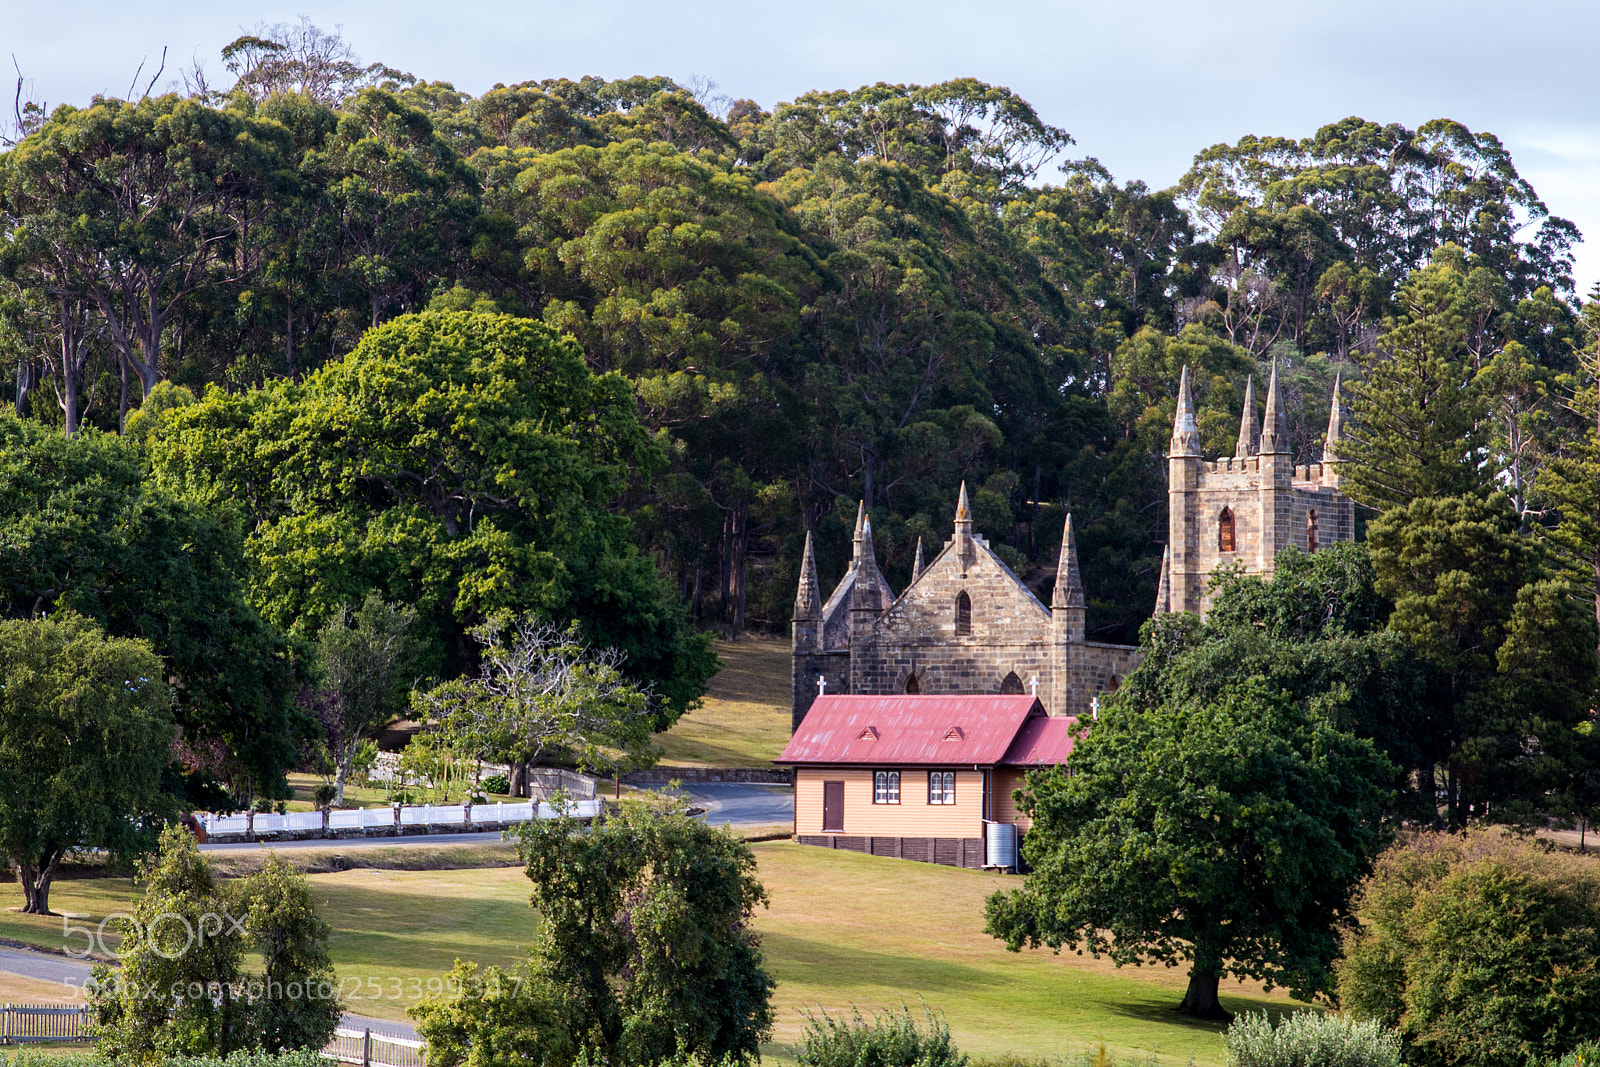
column 366, row 1049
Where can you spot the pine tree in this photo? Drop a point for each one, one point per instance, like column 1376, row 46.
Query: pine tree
column 1570, row 482
column 1417, row 419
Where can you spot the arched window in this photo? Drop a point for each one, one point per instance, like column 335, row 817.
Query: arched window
column 1311, row 531
column 913, row 687
column 1011, row 685
column 1225, row 538
column 1114, row 684
column 963, row 614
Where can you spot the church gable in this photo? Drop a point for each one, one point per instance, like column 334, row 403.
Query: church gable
column 998, row 606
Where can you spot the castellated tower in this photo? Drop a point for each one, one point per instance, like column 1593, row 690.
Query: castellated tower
column 965, row 625
column 1247, row 509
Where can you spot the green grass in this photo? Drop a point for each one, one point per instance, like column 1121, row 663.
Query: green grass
column 744, row 719
column 842, row 930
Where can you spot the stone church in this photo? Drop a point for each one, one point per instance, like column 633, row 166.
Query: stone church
column 967, row 624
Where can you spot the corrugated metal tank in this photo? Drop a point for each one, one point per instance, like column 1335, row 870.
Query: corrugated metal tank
column 1001, row 845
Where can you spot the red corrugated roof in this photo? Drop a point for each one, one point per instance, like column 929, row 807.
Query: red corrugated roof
column 1041, row 743
column 961, row 730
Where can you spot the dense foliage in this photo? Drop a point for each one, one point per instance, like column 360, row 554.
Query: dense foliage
column 1225, row 832
column 1480, row 948
column 644, row 953
column 1310, row 1039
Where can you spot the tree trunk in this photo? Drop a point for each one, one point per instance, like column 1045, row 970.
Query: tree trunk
column 27, row 381
column 1201, row 998
column 122, row 410
column 517, row 775
column 35, row 879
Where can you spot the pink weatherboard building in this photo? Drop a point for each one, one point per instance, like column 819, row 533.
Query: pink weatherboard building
column 928, row 778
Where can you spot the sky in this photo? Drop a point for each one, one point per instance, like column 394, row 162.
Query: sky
column 1142, row 85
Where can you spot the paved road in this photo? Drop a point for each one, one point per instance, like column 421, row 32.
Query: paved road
column 740, row 804
column 47, row 967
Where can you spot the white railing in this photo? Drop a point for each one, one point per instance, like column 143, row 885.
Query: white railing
column 412, row 815
column 360, row 818
column 373, row 1050
column 516, row 811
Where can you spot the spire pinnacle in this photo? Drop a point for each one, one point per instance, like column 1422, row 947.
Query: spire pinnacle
column 916, row 564
column 1185, row 434
column 1249, row 429
column 1330, row 444
column 1069, row 579
column 963, row 514
column 1275, row 426
column 808, row 599
column 1164, row 588
column 861, row 519
column 869, row 592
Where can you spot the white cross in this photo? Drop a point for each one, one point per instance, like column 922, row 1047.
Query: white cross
column 822, row 686
column 1094, row 705
column 1034, row 681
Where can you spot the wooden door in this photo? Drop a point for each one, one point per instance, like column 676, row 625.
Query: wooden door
column 833, row 806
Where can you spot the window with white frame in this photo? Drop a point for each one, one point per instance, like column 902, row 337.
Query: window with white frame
column 941, row 787
column 886, row 787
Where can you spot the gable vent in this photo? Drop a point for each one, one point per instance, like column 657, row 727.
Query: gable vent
column 952, row 734
column 869, row 734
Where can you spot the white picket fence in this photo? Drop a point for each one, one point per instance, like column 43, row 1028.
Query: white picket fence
column 373, row 1050
column 393, row 820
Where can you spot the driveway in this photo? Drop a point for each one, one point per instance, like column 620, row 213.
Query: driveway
column 742, row 804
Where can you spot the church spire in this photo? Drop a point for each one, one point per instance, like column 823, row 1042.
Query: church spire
column 808, row 599
column 1069, row 580
column 1330, row 444
column 869, row 590
column 1185, row 434
column 1275, row 426
column 963, row 515
column 1249, row 429
column 861, row 521
column 1164, row 588
column 916, row 564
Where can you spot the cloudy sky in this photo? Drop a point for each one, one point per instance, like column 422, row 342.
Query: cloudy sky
column 1141, row 84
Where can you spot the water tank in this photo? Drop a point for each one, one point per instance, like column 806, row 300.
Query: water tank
column 1002, row 845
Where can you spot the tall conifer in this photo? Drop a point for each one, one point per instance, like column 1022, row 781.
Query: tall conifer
column 1418, row 421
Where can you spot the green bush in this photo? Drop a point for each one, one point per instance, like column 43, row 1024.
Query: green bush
column 1479, row 948
column 496, row 783
column 1585, row 1055
column 1310, row 1039
column 252, row 1058
column 888, row 1039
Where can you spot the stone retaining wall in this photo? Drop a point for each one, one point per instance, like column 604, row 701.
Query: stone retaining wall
column 752, row 775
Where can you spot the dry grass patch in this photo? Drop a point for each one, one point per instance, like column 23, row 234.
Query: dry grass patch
column 744, row 719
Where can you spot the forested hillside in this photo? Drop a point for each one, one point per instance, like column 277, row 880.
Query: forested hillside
column 872, row 293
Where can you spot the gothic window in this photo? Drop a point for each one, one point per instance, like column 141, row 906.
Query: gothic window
column 963, row 614
column 913, row 687
column 1311, row 531
column 1225, row 534
column 1012, row 685
column 886, row 787
column 1114, row 684
column 941, row 787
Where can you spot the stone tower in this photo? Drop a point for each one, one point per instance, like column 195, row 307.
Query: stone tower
column 1245, row 510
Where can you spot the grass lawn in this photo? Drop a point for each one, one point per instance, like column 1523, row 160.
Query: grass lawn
column 744, row 719
column 843, row 929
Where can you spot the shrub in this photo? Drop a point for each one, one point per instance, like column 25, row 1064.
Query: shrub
column 1585, row 1055
column 496, row 783
column 1480, row 948
column 888, row 1039
column 250, row 1058
column 1310, row 1039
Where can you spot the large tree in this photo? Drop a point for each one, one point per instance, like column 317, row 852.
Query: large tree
column 461, row 463
column 83, row 528
column 85, row 734
column 645, row 952
column 1227, row 833
column 1480, row 603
